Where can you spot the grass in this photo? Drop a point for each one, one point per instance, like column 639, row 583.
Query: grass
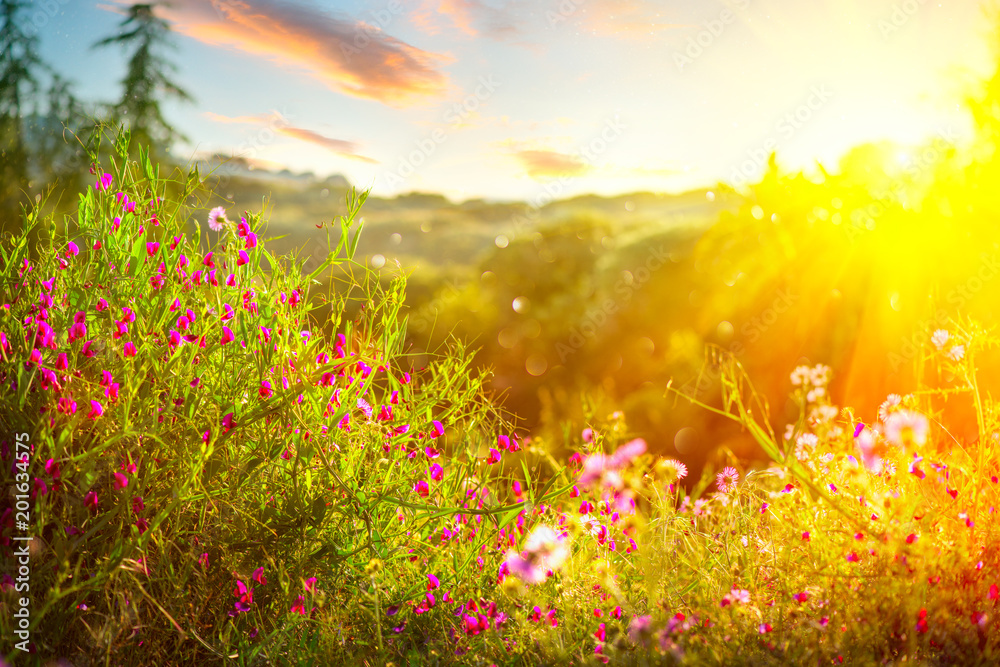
column 255, row 486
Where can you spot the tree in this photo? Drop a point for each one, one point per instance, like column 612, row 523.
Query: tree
column 18, row 86
column 146, row 78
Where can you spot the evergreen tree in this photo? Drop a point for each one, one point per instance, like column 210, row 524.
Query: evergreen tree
column 146, row 78
column 18, row 96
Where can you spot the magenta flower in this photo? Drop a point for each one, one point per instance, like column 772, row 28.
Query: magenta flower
column 245, row 598
column 437, row 429
column 310, row 585
column 227, row 335
column 436, row 472
column 265, row 389
column 203, row 560
column 258, row 576
column 421, row 488
column 96, row 410
column 121, row 481
column 104, row 182
column 300, row 606
column 243, row 258
column 152, row 247
column 432, row 582
column 128, row 349
column 52, row 468
column 90, row 501
column 494, row 456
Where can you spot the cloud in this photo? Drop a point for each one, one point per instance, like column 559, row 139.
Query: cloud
column 343, row 148
column 474, row 18
column 280, row 125
column 627, row 19
column 546, row 164
column 345, row 54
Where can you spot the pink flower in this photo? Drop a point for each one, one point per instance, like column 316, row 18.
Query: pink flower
column 494, row 456
column 258, row 576
column 432, row 582
column 421, row 488
column 121, row 481
column 96, row 410
column 310, row 585
column 243, row 258
column 227, row 335
column 436, row 472
column 203, row 560
column 90, row 501
column 129, row 349
column 152, row 247
column 437, row 429
column 300, row 606
column 213, row 219
column 727, row 479
column 265, row 389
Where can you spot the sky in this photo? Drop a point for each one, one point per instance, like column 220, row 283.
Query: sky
column 525, row 99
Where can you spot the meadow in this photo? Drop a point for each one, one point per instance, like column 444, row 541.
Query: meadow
column 221, row 454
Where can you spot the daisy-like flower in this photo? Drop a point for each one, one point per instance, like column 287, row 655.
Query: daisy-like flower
column 939, row 338
column 801, row 375
column 956, row 353
column 672, row 470
column 213, row 219
column 906, row 427
column 891, row 401
column 727, row 479
column 544, row 550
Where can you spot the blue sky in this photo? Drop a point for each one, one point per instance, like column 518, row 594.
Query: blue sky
column 505, row 98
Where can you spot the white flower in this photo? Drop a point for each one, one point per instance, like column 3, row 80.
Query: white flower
column 939, row 338
column 891, row 401
column 904, row 427
column 956, row 353
column 801, row 376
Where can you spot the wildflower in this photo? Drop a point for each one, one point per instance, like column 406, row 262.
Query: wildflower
column 727, row 479
column 213, row 219
column 672, row 470
column 494, row 456
column 922, row 621
column 956, row 353
column 890, row 402
column 90, row 501
column 121, row 481
column 436, row 472
column 203, row 560
column 544, row 550
column 905, row 427
column 243, row 258
column 265, row 390
column 310, row 585
column 764, row 628
column 587, row 435
column 801, row 597
column 437, row 429
column 258, row 576
column 421, row 488
column 939, row 338
column 599, row 633
column 96, row 410
column 300, row 606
